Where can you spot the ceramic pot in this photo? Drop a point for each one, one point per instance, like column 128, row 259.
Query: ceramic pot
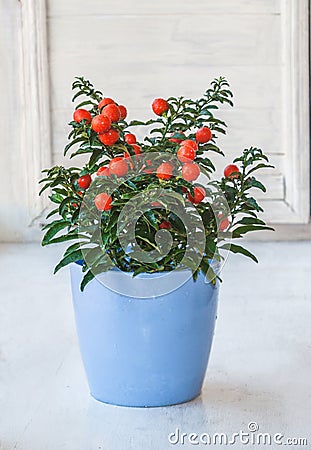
column 144, row 352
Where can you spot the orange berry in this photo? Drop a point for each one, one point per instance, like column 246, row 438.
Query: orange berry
column 100, row 124
column 190, row 171
column 123, row 112
column 203, row 135
column 165, row 225
column 110, row 137
column 231, row 171
column 130, row 138
column 112, row 111
column 82, row 114
column 105, row 101
column 190, row 143
column 164, row 171
column 103, row 202
column 84, row 181
column 160, row 106
column 199, row 195
column 223, row 225
column 186, row 153
column 103, row 171
column 118, row 166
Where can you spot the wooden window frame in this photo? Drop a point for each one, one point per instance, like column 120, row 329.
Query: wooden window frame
column 36, row 134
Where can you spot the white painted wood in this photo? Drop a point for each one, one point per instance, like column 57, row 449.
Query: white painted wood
column 296, row 101
column 163, row 7
column 11, row 186
column 25, row 116
column 163, row 50
column 17, row 154
column 35, row 100
column 160, row 48
column 259, row 368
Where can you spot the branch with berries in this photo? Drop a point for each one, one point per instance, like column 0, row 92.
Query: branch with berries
column 172, row 159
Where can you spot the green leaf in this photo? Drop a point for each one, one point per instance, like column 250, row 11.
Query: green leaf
column 253, row 183
column 139, row 270
column 238, row 232
column 96, row 155
column 135, row 123
column 81, row 151
column 91, row 273
column 259, row 166
column 47, row 185
column 56, row 198
column 250, row 221
column 68, row 237
column 73, row 248
column 151, row 218
column 57, row 226
column 86, row 279
column 208, row 270
column 75, row 141
column 66, row 202
column 238, row 249
column 86, row 102
column 51, row 213
column 71, row 257
column 94, row 255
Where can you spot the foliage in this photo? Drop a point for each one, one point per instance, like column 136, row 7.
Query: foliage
column 95, row 236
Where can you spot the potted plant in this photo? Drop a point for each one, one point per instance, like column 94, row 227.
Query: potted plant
column 149, row 227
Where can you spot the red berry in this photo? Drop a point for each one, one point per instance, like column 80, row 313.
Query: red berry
column 203, row 135
column 130, row 138
column 103, row 202
column 84, row 181
column 104, row 102
column 176, row 140
column 103, row 171
column 101, row 124
column 164, row 171
column 118, row 166
column 199, row 195
column 223, row 225
column 190, row 171
column 136, row 148
column 165, row 225
column 231, row 171
column 186, row 153
column 110, row 137
column 159, row 106
column 112, row 111
column 190, row 143
column 81, row 114
column 123, row 111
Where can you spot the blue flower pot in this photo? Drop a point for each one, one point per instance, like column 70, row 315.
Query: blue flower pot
column 149, row 351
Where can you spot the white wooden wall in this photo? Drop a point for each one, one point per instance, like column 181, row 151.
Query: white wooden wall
column 136, row 50
column 14, row 214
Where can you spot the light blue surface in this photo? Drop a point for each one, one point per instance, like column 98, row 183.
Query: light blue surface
column 145, row 352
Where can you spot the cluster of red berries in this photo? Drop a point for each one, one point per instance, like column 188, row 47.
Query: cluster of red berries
column 111, row 112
